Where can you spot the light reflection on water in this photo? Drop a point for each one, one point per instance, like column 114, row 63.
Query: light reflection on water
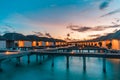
column 44, row 71
column 7, row 53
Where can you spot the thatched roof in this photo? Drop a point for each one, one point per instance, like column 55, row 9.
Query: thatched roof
column 33, row 37
column 15, row 36
column 50, row 39
column 116, row 35
column 109, row 36
column 102, row 38
column 47, row 39
column 36, row 38
column 59, row 40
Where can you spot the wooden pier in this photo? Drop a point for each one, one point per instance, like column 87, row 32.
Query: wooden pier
column 16, row 55
column 104, row 56
column 41, row 54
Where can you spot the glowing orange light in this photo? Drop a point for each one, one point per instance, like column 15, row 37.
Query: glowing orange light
column 34, row 43
column 72, row 52
column 7, row 52
column 21, row 43
column 40, row 43
column 47, row 43
column 115, row 44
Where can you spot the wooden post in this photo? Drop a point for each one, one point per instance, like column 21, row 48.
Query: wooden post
column 0, row 66
column 28, row 59
column 88, row 51
column 82, row 51
column 18, row 61
column 40, row 59
column 84, row 63
column 43, row 57
column 52, row 61
column 95, row 51
column 36, row 57
column 104, row 65
column 67, row 63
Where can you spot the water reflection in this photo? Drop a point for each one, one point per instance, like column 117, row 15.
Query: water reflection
column 8, row 53
column 44, row 71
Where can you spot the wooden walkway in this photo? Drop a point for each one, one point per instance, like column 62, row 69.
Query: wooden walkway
column 15, row 55
column 52, row 54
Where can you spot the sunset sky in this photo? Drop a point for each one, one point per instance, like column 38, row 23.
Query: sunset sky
column 81, row 19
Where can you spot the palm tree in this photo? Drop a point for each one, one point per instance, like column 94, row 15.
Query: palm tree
column 109, row 46
column 100, row 44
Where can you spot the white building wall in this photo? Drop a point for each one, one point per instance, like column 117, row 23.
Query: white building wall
column 53, row 44
column 43, row 43
column 2, row 44
column 27, row 44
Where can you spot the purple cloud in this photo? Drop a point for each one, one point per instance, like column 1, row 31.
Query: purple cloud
column 95, row 35
column 38, row 33
column 48, row 35
column 96, row 28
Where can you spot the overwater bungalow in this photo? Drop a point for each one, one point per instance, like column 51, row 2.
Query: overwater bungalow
column 49, row 42
column 62, row 42
column 19, row 41
column 112, row 39
column 102, row 41
column 2, row 43
column 34, row 40
column 59, row 42
column 40, row 41
column 93, row 42
column 16, row 40
column 116, row 41
column 46, row 42
column 109, row 38
column 105, row 40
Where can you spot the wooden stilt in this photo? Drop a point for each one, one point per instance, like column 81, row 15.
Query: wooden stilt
column 1, row 66
column 67, row 63
column 18, row 61
column 36, row 57
column 84, row 63
column 28, row 59
column 52, row 61
column 40, row 59
column 104, row 65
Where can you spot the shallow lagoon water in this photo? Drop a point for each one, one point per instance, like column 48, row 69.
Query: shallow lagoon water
column 44, row 71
